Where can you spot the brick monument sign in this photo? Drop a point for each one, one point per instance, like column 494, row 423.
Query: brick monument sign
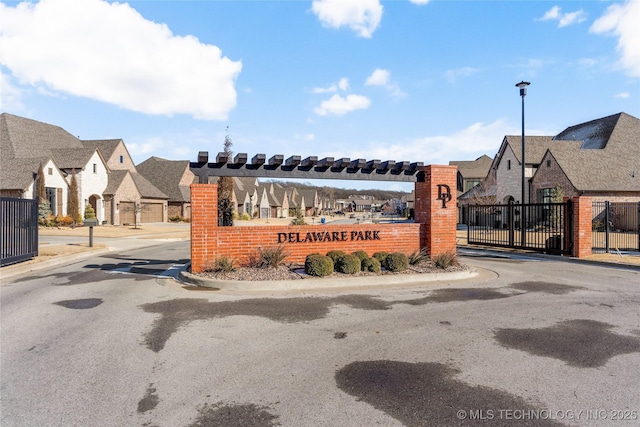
column 434, row 228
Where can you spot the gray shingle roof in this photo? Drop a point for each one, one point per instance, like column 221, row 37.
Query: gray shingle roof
column 106, row 146
column 614, row 167
column 166, row 175
column 477, row 168
column 535, row 147
column 24, row 138
column 72, row 158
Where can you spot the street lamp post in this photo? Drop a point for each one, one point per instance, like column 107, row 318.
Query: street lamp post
column 523, row 92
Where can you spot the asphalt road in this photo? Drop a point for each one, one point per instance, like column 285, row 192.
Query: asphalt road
column 115, row 341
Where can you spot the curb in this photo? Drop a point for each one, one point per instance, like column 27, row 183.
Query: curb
column 323, row 283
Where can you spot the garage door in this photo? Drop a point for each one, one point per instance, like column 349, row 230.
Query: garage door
column 151, row 212
column 127, row 213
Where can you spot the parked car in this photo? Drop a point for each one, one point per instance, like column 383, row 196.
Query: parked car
column 338, row 213
column 352, row 216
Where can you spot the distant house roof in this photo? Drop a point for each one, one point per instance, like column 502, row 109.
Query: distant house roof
column 145, row 188
column 166, row 175
column 605, row 158
column 73, row 158
column 106, row 146
column 593, row 134
column 22, row 138
column 477, row 168
column 535, row 147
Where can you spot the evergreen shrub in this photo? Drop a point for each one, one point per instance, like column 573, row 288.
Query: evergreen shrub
column 318, row 265
column 334, row 255
column 382, row 258
column 397, row 261
column 371, row 264
column 348, row 264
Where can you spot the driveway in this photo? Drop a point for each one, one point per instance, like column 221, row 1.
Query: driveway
column 113, row 340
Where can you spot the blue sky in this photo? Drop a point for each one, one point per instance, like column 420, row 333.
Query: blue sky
column 428, row 81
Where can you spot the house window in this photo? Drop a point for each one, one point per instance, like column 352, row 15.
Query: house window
column 508, row 164
column 121, row 159
column 470, row 184
column 50, row 171
column 548, row 163
column 545, row 195
column 95, row 168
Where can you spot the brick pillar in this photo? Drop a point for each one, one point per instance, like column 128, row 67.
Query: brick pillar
column 204, row 225
column 582, row 244
column 438, row 234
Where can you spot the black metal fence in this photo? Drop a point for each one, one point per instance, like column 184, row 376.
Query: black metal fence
column 18, row 230
column 615, row 226
column 543, row 227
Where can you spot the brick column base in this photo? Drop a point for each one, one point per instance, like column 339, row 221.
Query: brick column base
column 582, row 243
column 438, row 234
column 204, row 225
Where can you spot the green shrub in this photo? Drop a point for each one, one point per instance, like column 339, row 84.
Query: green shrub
column 220, row 264
column 418, row 257
column 370, row 264
column 318, row 265
column 382, row 258
column 267, row 257
column 245, row 217
column 89, row 213
column 348, row 264
column 176, row 218
column 334, row 255
column 397, row 261
column 445, row 260
column 360, row 254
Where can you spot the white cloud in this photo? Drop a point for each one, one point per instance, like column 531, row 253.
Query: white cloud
column 564, row 19
column 466, row 144
column 381, row 77
column 338, row 106
column 361, row 16
column 110, row 53
column 145, row 146
column 453, row 75
column 623, row 95
column 621, row 20
column 343, row 84
column 10, row 95
column 419, row 2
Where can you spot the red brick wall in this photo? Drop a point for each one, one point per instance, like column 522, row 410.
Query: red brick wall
column 440, row 230
column 204, row 225
column 240, row 242
column 582, row 244
column 434, row 229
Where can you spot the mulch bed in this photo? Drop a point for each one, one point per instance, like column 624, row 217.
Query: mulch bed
column 296, row 272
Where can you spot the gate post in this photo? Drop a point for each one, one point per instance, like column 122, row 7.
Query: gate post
column 204, row 225
column 436, row 208
column 582, row 244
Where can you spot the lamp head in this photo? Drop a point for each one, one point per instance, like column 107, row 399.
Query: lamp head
column 523, row 87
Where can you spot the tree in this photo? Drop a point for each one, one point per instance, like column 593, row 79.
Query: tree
column 44, row 209
column 41, row 192
column 73, row 209
column 225, row 191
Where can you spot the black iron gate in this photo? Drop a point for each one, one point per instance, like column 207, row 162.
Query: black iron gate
column 18, row 230
column 615, row 226
column 543, row 227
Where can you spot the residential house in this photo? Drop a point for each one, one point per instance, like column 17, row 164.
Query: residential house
column 599, row 158
column 173, row 178
column 27, row 143
column 472, row 172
